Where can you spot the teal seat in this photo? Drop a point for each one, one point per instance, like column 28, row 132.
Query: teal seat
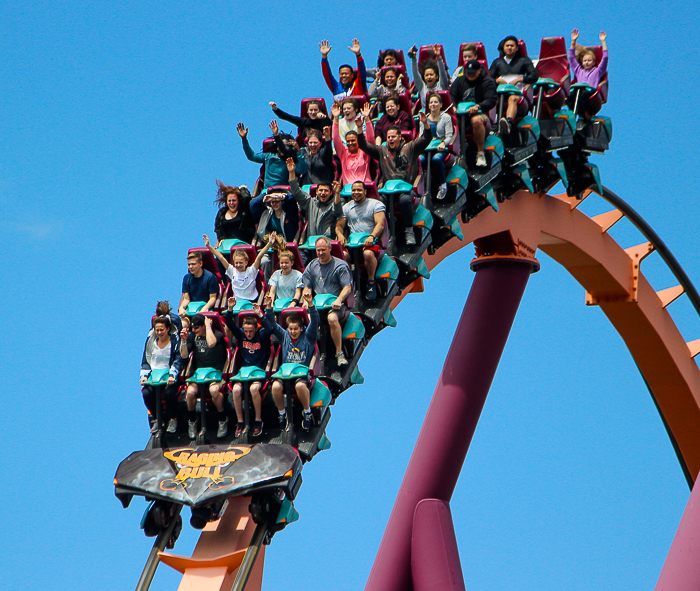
column 509, row 89
column 458, row 175
column 582, row 86
column 282, row 303
column 396, row 186
column 422, row 217
column 570, row 118
column 346, row 191
column 433, row 145
column 205, row 375
column 194, row 307
column 226, row 245
column 288, row 371
column 306, row 188
column 158, row 377
column 320, row 395
column 357, row 239
column 548, row 83
column 242, row 305
column 387, row 268
column 310, row 243
column 495, row 144
column 462, row 108
column 249, row 373
column 324, row 301
column 529, row 122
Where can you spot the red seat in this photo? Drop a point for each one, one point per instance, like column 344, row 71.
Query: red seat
column 426, row 53
column 401, row 69
column 294, row 249
column 553, row 64
column 249, row 249
column 480, row 54
column 399, row 55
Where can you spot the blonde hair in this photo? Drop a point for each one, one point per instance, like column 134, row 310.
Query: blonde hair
column 582, row 51
column 241, row 254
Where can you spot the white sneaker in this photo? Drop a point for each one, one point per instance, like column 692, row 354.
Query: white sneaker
column 192, row 429
column 481, row 159
column 172, row 426
column 504, row 125
column 410, row 236
column 442, row 191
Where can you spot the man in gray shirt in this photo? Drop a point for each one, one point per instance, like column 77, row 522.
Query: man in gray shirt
column 330, row 275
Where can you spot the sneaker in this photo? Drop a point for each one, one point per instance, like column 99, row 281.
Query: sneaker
column 239, row 429
column 192, row 429
column 442, row 191
column 579, row 124
column 481, row 159
column 154, row 427
column 223, row 429
column 504, row 125
column 410, row 237
column 172, row 426
column 307, row 421
column 340, row 359
column 257, row 428
column 283, row 422
column 371, row 293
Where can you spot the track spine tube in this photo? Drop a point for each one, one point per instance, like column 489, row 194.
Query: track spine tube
column 454, row 410
column 149, row 570
column 249, row 559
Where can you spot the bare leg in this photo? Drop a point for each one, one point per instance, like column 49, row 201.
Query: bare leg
column 336, row 332
column 216, row 396
column 191, row 397
column 303, row 394
column 257, row 400
column 370, row 263
column 478, row 132
column 512, row 110
column 237, row 403
column 278, row 395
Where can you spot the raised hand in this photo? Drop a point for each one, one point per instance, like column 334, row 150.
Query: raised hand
column 335, row 110
column 206, row 240
column 365, row 110
column 413, row 52
column 257, row 309
column 337, row 186
column 574, row 35
column 271, row 238
column 274, row 127
column 183, row 334
column 231, row 303
column 242, row 130
column 355, row 47
column 308, row 299
column 267, row 300
column 325, row 48
column 602, row 36
column 423, row 119
column 291, row 166
column 208, row 322
column 327, row 132
column 436, row 50
column 273, row 104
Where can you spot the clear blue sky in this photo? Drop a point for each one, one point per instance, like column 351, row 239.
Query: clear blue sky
column 116, row 120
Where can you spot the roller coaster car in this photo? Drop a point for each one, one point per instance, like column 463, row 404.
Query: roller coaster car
column 422, row 220
column 521, row 142
column 204, row 477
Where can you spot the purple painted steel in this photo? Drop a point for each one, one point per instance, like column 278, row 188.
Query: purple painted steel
column 454, row 410
column 434, row 555
column 681, row 571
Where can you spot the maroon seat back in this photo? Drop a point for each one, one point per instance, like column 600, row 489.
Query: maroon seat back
column 398, row 68
column 249, row 249
column 480, row 54
column 426, row 53
column 208, row 261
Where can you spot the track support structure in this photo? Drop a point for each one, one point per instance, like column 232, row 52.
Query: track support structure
column 421, row 508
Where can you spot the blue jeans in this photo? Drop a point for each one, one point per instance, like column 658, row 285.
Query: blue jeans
column 438, row 162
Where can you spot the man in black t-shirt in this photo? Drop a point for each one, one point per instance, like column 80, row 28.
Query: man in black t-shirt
column 209, row 349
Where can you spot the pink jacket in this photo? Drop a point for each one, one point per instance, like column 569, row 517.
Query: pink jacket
column 355, row 166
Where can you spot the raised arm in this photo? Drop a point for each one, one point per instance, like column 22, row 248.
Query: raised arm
column 367, row 148
column 331, row 82
column 280, row 114
column 215, row 252
column 302, row 198
column 270, row 241
column 247, row 150
column 210, row 336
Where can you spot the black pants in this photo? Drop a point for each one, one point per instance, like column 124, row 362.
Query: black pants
column 583, row 96
column 405, row 201
column 149, row 399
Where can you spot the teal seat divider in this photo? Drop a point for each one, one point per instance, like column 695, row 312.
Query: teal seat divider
column 320, row 395
column 387, row 268
column 353, row 329
column 158, row 377
column 288, row 371
column 194, row 307
column 226, row 245
column 205, row 375
column 249, row 373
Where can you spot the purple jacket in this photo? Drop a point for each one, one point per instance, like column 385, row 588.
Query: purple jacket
column 591, row 77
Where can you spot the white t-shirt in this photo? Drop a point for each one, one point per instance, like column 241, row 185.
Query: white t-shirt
column 243, row 283
column 286, row 284
column 361, row 217
column 160, row 358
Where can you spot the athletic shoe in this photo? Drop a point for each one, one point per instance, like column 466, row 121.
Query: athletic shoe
column 154, row 427
column 371, row 293
column 223, row 429
column 340, row 359
column 283, row 421
column 579, row 124
column 172, row 426
column 504, row 125
column 442, row 191
column 410, row 237
column 257, row 428
column 481, row 159
column 307, row 421
column 192, row 429
column 239, row 429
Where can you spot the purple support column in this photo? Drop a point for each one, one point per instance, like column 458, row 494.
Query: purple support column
column 681, row 571
column 434, row 556
column 454, row 409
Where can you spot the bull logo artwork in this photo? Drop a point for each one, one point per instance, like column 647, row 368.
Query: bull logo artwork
column 192, row 466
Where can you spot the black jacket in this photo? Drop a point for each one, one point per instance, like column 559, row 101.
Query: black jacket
column 481, row 91
column 305, row 123
column 519, row 66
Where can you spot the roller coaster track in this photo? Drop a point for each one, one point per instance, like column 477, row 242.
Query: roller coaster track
column 612, row 278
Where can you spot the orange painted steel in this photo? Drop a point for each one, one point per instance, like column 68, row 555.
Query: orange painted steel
column 612, row 279
column 219, row 552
